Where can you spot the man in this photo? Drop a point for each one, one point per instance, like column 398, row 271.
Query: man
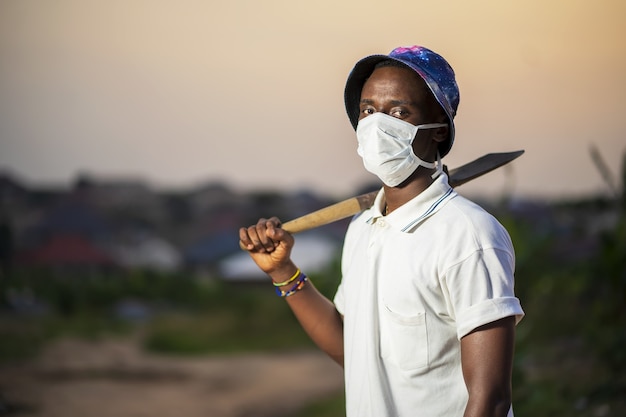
column 424, row 318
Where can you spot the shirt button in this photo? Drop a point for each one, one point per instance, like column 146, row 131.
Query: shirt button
column 381, row 223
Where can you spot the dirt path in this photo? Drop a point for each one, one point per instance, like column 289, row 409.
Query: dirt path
column 114, row 378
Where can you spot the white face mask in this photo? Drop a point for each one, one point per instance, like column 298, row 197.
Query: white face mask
column 386, row 146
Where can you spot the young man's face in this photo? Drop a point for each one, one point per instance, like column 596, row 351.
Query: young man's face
column 401, row 93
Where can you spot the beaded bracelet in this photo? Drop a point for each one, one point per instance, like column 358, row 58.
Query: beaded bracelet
column 300, row 283
column 290, row 280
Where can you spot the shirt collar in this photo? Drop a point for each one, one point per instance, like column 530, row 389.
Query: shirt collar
column 408, row 216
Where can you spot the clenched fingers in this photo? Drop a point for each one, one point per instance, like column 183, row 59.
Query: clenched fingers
column 264, row 236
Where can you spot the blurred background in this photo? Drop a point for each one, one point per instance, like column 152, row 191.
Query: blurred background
column 137, row 136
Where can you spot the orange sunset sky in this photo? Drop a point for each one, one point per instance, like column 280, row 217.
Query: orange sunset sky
column 251, row 92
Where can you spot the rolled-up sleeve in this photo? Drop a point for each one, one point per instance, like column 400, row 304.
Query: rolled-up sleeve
column 481, row 290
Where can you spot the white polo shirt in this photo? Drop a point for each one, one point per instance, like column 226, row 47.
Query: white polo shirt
column 414, row 283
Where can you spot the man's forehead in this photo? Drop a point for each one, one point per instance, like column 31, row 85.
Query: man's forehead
column 400, row 78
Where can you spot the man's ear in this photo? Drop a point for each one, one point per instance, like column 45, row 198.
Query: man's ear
column 441, row 134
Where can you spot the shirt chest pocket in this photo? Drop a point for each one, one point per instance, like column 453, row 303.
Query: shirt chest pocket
column 404, row 339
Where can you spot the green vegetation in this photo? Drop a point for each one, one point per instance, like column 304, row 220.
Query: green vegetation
column 570, row 358
column 331, row 407
column 178, row 315
column 253, row 322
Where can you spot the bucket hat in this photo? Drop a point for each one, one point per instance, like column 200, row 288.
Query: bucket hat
column 430, row 66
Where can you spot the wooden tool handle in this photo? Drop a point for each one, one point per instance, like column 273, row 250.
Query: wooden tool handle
column 330, row 214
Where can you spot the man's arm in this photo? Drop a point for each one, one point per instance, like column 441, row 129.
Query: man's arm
column 270, row 248
column 487, row 362
column 320, row 320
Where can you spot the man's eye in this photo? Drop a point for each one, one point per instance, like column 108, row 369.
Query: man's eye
column 367, row 111
column 397, row 113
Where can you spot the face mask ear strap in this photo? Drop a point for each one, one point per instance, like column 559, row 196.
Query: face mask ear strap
column 439, row 170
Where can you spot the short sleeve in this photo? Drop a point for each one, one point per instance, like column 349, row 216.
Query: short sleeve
column 481, row 290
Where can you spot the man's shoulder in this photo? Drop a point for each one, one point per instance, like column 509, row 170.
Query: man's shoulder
column 468, row 208
column 463, row 215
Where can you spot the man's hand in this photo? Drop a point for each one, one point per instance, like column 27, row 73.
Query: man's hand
column 268, row 245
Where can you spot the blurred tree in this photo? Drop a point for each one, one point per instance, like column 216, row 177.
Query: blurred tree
column 606, row 286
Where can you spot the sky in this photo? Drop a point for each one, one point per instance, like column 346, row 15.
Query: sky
column 250, row 93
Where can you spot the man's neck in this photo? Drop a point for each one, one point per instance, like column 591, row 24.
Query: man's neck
column 411, row 188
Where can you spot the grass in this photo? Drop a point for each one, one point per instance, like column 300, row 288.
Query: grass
column 23, row 337
column 334, row 406
column 223, row 332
